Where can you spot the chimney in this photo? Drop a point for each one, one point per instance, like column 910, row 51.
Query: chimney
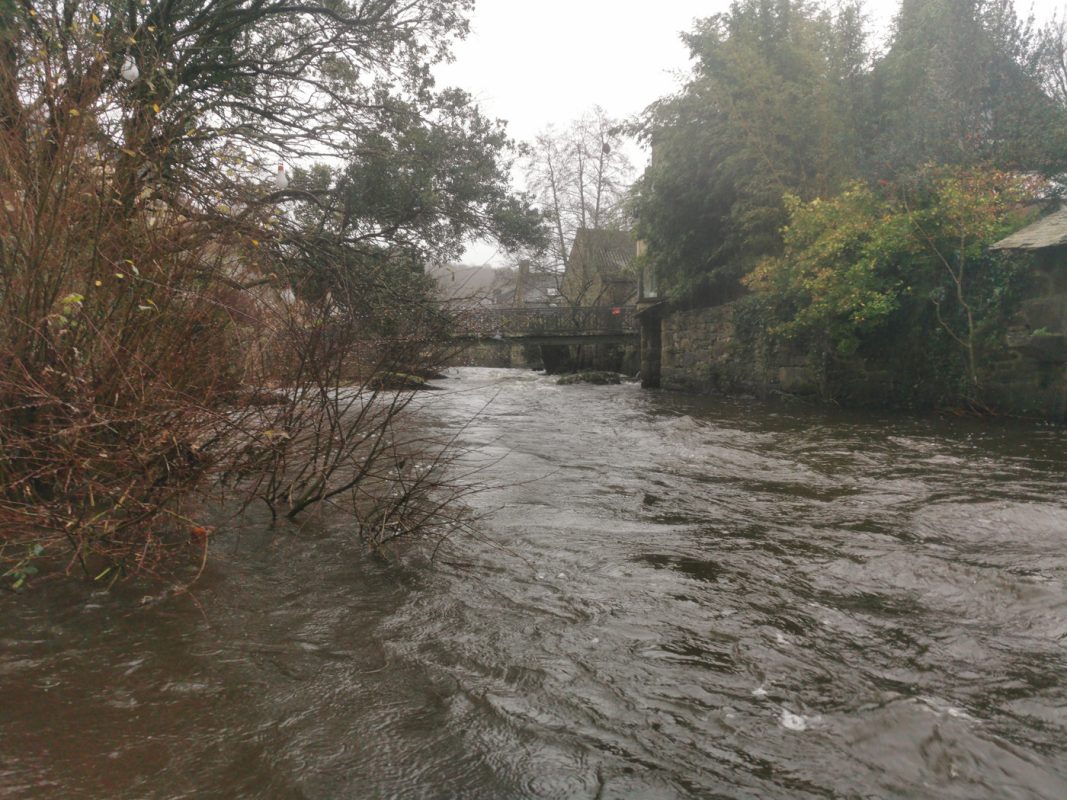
column 522, row 280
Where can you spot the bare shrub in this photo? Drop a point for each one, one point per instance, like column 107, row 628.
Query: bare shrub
column 174, row 322
column 146, row 353
column 102, row 308
column 346, row 379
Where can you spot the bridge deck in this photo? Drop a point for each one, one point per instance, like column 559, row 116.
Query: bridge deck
column 552, row 325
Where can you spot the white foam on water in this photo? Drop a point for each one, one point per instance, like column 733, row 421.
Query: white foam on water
column 793, row 722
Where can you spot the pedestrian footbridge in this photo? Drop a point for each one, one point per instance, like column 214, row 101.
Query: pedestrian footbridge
column 559, row 325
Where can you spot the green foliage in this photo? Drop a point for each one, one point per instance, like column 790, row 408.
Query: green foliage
column 838, row 276
column 413, row 192
column 787, row 100
column 962, row 83
column 433, row 181
column 872, row 271
column 765, row 115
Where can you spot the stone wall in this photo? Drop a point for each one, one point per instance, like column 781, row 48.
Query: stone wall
column 1030, row 377
column 1023, row 385
column 483, row 354
column 701, row 351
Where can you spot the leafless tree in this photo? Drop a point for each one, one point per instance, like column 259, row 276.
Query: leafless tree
column 1053, row 50
column 580, row 177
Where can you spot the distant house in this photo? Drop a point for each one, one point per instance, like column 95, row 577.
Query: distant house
column 1035, row 381
column 469, row 287
column 466, row 287
column 502, row 290
column 1045, row 309
column 600, row 269
column 534, row 288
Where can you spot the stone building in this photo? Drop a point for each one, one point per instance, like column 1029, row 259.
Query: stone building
column 535, row 289
column 1034, row 380
column 600, row 269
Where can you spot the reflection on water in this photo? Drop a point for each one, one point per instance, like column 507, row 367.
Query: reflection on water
column 668, row 597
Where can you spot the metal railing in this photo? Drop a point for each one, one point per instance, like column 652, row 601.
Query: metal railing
column 493, row 323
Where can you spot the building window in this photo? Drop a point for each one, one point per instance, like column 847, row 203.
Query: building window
column 649, row 290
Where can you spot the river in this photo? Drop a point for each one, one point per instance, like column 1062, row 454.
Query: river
column 665, row 597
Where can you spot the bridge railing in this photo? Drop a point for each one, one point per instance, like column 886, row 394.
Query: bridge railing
column 551, row 321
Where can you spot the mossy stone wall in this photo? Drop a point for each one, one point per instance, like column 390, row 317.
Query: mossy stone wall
column 717, row 350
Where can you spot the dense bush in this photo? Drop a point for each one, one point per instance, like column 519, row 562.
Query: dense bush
column 902, row 275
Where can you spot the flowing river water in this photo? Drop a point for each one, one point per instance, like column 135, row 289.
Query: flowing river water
column 666, row 597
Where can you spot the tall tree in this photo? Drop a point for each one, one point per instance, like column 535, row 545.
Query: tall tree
column 786, row 99
column 581, row 178
column 202, row 99
column 769, row 111
column 1053, row 59
column 961, row 83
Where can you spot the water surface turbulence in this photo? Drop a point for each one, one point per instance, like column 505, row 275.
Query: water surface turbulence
column 665, row 597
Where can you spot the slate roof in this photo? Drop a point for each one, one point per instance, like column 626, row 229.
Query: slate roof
column 609, row 252
column 1049, row 231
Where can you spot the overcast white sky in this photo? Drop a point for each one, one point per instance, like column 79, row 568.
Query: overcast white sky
column 536, row 62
